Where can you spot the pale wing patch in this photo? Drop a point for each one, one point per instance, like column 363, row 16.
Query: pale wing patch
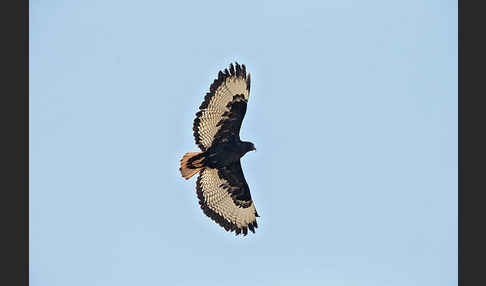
column 230, row 83
column 217, row 106
column 219, row 200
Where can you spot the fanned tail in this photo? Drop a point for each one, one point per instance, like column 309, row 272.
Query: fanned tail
column 191, row 164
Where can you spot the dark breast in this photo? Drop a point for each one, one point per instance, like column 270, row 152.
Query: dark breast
column 224, row 154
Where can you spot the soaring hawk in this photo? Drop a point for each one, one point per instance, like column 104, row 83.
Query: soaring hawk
column 223, row 193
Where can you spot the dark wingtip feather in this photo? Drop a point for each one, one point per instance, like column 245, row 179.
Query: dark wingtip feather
column 248, row 82
column 243, row 70
column 238, row 69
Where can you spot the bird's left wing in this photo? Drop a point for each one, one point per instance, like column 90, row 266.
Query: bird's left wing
column 224, row 106
column 224, row 196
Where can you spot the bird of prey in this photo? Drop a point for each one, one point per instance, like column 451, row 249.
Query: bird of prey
column 221, row 188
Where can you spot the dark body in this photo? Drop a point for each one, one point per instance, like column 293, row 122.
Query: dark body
column 225, row 154
column 226, row 158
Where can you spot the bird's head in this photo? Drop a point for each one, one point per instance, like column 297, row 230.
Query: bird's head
column 250, row 146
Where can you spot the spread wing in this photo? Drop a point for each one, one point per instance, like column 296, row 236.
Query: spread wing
column 224, row 196
column 223, row 108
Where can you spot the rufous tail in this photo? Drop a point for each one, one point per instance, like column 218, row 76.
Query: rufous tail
column 191, row 164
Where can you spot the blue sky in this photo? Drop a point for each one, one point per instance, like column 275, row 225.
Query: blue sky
column 353, row 110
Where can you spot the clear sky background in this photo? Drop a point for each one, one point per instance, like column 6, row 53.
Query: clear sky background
column 353, row 110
